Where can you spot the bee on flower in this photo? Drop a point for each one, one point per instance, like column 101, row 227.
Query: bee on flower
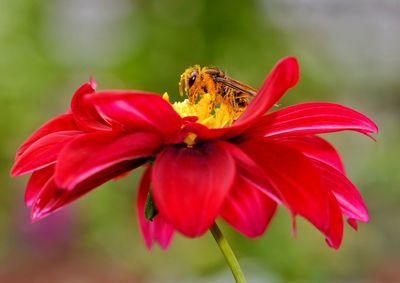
column 218, row 153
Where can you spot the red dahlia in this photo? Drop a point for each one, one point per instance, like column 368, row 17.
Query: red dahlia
column 199, row 164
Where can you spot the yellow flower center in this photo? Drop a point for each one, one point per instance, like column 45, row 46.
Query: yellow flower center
column 211, row 112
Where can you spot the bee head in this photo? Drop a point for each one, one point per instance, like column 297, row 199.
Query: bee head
column 188, row 79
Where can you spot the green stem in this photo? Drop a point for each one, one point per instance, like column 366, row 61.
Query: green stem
column 228, row 254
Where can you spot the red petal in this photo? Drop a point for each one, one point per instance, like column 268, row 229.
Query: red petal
column 334, row 235
column 156, row 230
column 43, row 152
column 85, row 114
column 315, row 148
column 36, row 183
column 46, row 197
column 344, row 191
column 191, row 184
column 97, row 151
column 247, row 209
column 64, row 122
column 283, row 76
column 52, row 198
column 312, row 118
column 332, row 173
column 138, row 111
column 353, row 223
column 251, row 171
column 294, row 177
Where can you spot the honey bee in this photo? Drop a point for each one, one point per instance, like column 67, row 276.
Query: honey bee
column 197, row 81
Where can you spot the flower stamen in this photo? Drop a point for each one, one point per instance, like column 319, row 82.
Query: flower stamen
column 211, row 111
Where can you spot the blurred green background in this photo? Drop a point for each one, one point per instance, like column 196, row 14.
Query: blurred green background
column 348, row 53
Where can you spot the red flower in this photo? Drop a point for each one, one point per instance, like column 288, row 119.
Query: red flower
column 199, row 166
column 38, row 154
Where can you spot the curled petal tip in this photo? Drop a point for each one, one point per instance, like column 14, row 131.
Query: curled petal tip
column 372, row 127
column 292, row 64
column 375, row 128
column 93, row 83
column 370, row 136
column 332, row 245
column 28, row 203
column 353, row 223
column 39, row 213
column 35, row 214
column 39, row 209
column 163, row 246
column 17, row 170
column 14, row 171
column 149, row 245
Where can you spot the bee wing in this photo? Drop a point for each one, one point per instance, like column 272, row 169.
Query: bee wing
column 237, row 85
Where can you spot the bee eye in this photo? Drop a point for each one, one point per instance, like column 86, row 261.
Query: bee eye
column 192, row 78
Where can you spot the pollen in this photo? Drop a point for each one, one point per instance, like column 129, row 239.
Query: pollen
column 210, row 113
